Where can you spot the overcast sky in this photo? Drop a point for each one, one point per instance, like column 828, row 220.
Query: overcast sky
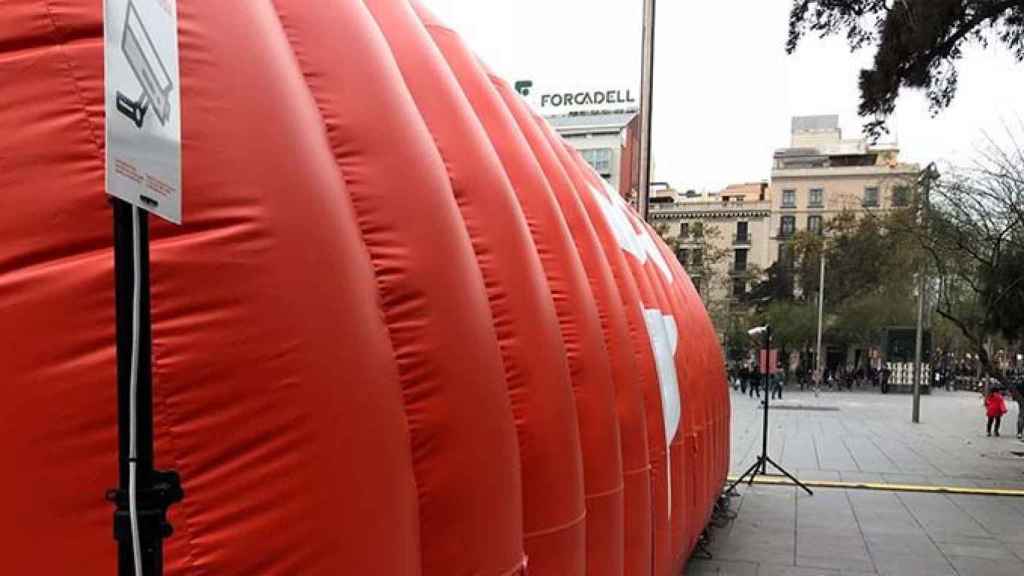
column 724, row 87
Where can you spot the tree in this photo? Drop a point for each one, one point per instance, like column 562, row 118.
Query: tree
column 776, row 285
column 919, row 43
column 705, row 258
column 794, row 325
column 974, row 237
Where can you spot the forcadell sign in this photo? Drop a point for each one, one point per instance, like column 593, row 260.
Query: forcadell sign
column 575, row 100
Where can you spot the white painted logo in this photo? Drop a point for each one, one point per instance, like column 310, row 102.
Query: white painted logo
column 635, row 240
column 664, row 335
column 143, row 104
column 632, row 237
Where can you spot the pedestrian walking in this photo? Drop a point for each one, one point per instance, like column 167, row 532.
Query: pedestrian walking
column 1017, row 392
column 995, row 407
column 776, row 383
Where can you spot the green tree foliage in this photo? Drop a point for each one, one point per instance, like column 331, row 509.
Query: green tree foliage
column 919, row 42
column 870, row 280
column 794, row 324
column 974, row 236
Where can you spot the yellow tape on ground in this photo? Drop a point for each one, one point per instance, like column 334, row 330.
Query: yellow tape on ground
column 884, row 487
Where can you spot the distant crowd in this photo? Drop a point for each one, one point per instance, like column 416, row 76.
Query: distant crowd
column 963, row 375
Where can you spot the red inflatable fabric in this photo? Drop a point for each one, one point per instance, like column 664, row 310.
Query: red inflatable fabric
column 661, row 334
column 704, row 460
column 620, row 237
column 605, row 216
column 405, row 329
column 267, row 326
column 663, row 319
column 606, row 506
column 463, row 440
column 632, row 420
column 521, row 303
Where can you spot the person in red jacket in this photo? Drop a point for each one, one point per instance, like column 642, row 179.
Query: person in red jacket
column 995, row 407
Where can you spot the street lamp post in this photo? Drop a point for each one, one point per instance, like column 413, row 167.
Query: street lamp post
column 821, row 313
column 646, row 104
column 922, row 296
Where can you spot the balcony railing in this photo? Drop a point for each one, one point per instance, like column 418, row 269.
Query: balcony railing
column 739, row 269
column 784, row 234
column 741, row 239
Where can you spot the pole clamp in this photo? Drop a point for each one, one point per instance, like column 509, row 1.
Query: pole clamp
column 151, row 506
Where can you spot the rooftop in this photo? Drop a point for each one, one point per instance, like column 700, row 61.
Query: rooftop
column 823, row 123
column 609, row 122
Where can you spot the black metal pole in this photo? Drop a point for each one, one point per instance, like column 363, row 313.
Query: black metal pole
column 155, row 490
column 766, row 380
column 760, row 466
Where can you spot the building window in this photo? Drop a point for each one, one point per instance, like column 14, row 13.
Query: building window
column 814, row 225
column 789, row 198
column 740, row 263
column 871, row 197
column 816, row 199
column 698, row 229
column 697, row 258
column 786, row 255
column 787, row 227
column 684, row 256
column 901, row 196
column 684, row 230
column 743, row 233
column 600, row 159
column 739, row 287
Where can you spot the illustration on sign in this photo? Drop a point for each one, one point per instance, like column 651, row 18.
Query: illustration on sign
column 141, row 57
column 150, row 71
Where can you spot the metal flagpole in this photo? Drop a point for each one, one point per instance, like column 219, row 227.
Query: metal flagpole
column 646, row 105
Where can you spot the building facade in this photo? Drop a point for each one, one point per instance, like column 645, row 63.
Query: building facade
column 821, row 175
column 609, row 142
column 747, row 228
column 723, row 239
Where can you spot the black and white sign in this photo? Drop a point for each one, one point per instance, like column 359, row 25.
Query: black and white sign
column 551, row 100
column 143, row 105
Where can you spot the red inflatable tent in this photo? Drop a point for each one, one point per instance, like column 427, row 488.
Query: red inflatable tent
column 403, row 331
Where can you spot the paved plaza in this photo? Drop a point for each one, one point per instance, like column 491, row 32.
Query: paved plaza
column 867, row 437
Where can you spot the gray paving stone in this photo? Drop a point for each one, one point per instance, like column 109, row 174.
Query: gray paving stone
column 969, row 565
column 988, row 548
column 940, row 518
column 871, row 433
column 776, row 570
column 882, row 514
column 780, row 531
column 914, row 565
column 847, row 476
column 812, row 474
column 997, row 515
column 721, row 568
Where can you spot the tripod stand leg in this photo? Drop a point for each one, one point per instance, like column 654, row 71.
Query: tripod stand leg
column 751, row 472
column 788, row 475
column 749, row 475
